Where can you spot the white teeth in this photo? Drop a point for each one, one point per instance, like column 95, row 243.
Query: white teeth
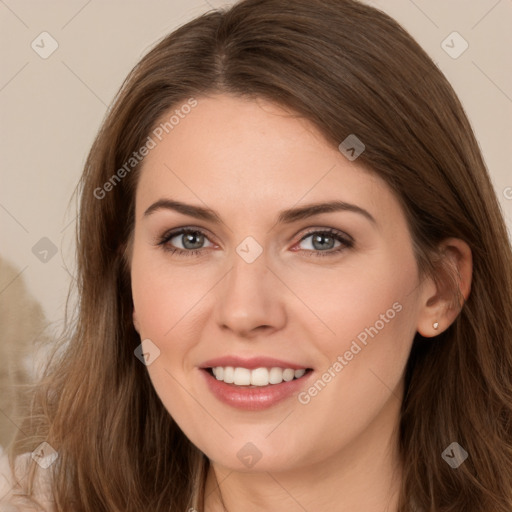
column 257, row 377
column 229, row 374
column 242, row 377
column 275, row 376
column 299, row 373
column 288, row 374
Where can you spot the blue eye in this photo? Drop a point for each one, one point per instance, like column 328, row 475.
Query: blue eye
column 319, row 237
column 194, row 238
column 188, row 237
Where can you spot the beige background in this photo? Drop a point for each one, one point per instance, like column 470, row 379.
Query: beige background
column 51, row 108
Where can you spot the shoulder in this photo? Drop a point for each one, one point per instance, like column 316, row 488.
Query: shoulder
column 12, row 498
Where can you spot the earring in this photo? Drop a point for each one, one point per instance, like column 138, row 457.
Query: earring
column 435, row 325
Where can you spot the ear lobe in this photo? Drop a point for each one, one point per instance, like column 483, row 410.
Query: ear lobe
column 448, row 290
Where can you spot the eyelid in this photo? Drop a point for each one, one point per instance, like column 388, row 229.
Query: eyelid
column 334, row 231
column 171, row 233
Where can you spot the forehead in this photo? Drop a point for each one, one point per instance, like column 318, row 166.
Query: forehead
column 232, row 153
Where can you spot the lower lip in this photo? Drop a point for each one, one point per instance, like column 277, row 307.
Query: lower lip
column 254, row 398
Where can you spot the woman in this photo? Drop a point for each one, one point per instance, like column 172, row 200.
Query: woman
column 295, row 283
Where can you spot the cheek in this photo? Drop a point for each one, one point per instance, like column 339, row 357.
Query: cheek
column 371, row 313
column 150, row 300
column 364, row 360
column 370, row 299
column 160, row 302
column 162, row 296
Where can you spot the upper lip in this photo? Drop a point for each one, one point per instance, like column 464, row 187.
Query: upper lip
column 251, row 363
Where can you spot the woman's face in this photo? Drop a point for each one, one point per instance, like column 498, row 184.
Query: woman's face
column 264, row 285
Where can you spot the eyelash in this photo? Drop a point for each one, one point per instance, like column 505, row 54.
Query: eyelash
column 346, row 242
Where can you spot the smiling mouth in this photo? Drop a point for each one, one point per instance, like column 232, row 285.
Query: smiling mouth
column 259, row 377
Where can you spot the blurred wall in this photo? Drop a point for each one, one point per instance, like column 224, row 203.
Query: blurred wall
column 22, row 327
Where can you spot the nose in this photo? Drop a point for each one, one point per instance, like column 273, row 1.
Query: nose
column 250, row 299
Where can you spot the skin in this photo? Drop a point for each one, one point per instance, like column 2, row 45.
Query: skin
column 248, row 160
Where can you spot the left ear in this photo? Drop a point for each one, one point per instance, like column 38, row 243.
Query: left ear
column 448, row 290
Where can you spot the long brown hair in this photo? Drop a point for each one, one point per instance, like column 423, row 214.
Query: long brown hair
column 349, row 69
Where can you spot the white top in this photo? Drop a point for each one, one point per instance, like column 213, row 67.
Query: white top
column 10, row 498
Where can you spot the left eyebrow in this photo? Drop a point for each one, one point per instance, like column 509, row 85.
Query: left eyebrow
column 285, row 217
column 303, row 212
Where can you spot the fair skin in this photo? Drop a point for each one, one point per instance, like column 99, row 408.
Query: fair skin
column 249, row 160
